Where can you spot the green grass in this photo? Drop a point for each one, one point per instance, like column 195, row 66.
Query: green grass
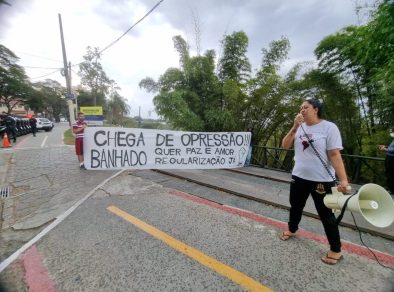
column 68, row 137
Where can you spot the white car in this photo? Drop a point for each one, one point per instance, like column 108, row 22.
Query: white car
column 44, row 124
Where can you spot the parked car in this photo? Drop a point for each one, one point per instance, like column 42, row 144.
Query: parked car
column 44, row 124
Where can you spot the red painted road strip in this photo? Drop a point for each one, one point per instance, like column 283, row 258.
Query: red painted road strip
column 346, row 246
column 36, row 275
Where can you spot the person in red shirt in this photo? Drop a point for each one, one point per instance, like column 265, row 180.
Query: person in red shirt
column 78, row 129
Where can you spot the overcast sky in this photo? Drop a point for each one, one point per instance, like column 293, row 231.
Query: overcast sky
column 30, row 28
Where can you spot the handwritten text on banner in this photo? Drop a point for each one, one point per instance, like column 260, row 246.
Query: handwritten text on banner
column 120, row 148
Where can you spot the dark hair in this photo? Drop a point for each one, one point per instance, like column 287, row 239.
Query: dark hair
column 316, row 104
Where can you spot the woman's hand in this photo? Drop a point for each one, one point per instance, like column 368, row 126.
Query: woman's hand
column 382, row 147
column 344, row 187
column 299, row 119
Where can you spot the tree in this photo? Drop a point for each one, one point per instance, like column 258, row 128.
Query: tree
column 339, row 105
column 188, row 97
column 267, row 104
column 235, row 65
column 52, row 101
column 233, row 72
column 363, row 57
column 14, row 84
column 117, row 109
column 94, row 77
column 377, row 53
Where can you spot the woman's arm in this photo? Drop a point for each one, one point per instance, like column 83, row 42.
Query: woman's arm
column 288, row 140
column 336, row 160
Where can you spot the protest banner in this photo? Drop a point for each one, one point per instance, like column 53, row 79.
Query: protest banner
column 132, row 148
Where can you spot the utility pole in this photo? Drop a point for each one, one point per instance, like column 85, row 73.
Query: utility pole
column 75, row 107
column 67, row 76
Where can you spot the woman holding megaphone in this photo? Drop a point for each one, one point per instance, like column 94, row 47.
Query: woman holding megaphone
column 317, row 144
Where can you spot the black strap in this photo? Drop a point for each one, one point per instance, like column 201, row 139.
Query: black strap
column 310, row 141
column 339, row 219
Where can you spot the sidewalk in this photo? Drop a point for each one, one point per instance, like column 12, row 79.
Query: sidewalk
column 44, row 183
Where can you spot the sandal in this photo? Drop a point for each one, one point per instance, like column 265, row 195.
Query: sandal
column 330, row 260
column 286, row 235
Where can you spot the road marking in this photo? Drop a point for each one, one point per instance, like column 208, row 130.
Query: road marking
column 43, row 142
column 4, row 264
column 36, row 274
column 195, row 254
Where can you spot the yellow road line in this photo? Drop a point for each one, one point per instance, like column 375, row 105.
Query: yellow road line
column 195, row 254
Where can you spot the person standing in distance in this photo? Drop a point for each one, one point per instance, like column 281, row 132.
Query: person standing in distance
column 10, row 124
column 389, row 162
column 310, row 176
column 33, row 125
column 78, row 129
column 252, row 142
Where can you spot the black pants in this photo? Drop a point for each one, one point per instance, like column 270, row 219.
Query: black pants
column 299, row 193
column 11, row 132
column 389, row 166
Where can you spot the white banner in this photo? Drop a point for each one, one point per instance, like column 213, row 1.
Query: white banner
column 132, row 148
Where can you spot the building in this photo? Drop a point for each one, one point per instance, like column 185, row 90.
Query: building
column 19, row 110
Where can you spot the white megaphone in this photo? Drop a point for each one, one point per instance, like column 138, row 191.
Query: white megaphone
column 372, row 201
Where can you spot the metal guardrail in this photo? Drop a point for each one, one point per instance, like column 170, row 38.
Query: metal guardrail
column 361, row 169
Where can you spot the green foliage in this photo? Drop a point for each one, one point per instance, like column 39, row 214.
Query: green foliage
column 14, row 84
column 68, row 137
column 267, row 105
column 49, row 98
column 339, row 106
column 235, row 65
column 186, row 94
column 85, row 98
column 117, row 109
column 276, row 53
column 363, row 57
column 99, row 87
column 353, row 79
column 94, row 77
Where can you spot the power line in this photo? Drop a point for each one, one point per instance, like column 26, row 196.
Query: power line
column 115, row 41
column 34, row 67
column 107, row 47
column 37, row 56
column 57, row 70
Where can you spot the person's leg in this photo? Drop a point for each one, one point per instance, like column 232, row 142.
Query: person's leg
column 248, row 156
column 389, row 169
column 299, row 193
column 14, row 135
column 329, row 222
column 79, row 152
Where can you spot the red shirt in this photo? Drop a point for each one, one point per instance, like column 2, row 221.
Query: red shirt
column 78, row 125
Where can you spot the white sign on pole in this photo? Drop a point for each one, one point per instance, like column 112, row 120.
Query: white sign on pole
column 132, row 148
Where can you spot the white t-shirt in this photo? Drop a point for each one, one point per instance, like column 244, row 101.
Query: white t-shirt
column 325, row 136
